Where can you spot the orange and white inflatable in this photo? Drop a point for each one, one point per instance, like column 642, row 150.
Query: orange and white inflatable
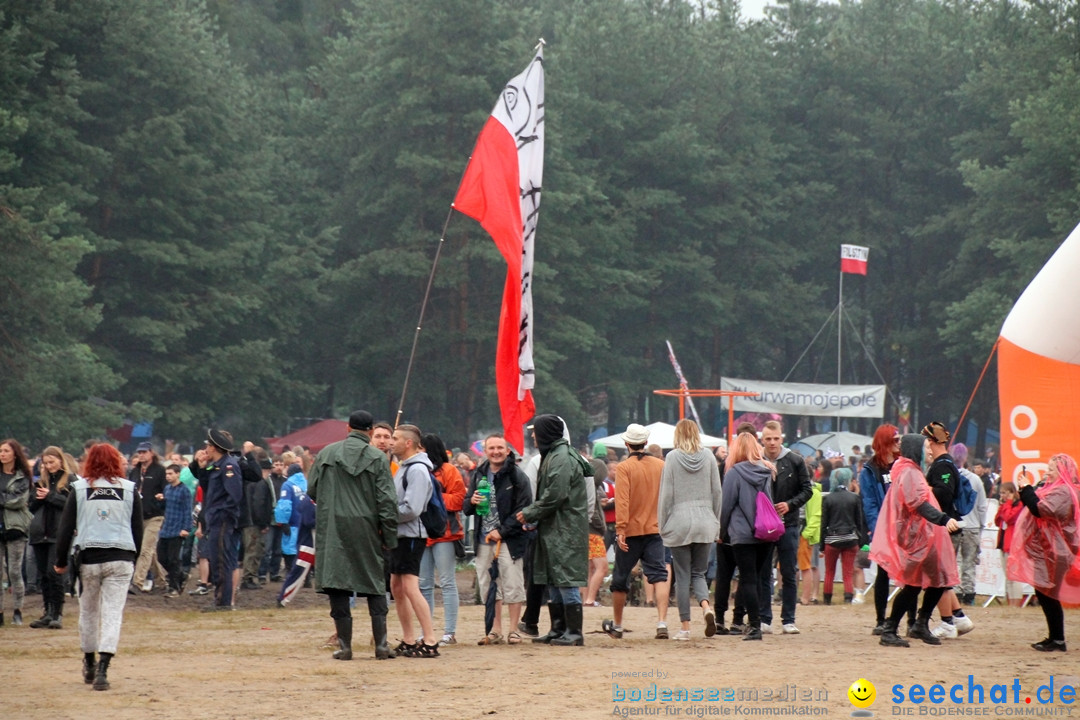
column 1039, row 368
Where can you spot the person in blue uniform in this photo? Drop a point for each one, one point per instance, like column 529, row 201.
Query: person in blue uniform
column 220, row 477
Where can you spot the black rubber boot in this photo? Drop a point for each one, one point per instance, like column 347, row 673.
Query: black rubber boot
column 382, row 647
column 558, row 624
column 88, row 669
column 890, row 638
column 45, row 619
column 344, row 638
column 921, row 631
column 574, row 620
column 101, row 677
column 827, row 598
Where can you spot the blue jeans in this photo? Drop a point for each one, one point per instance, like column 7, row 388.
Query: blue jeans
column 441, row 557
column 563, row 595
column 787, row 550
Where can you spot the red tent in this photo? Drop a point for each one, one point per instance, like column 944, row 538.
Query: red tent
column 315, row 437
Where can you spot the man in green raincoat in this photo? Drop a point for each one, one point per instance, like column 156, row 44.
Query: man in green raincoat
column 560, row 513
column 355, row 519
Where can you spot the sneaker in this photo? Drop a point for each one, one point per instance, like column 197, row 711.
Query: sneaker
column 614, row 631
column 710, row 623
column 16, row 619
column 859, row 598
column 530, row 630
column 661, row 631
column 752, row 633
column 945, row 630
column 790, row 629
column 148, row 586
column 448, row 639
column 1049, row 645
column 766, row 629
column 172, row 593
column 200, row 589
column 682, row 635
column 963, row 624
column 737, row 628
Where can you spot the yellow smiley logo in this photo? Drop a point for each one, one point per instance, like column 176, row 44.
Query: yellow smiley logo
column 862, row 693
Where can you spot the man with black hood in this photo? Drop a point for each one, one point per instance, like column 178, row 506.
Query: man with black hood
column 560, row 512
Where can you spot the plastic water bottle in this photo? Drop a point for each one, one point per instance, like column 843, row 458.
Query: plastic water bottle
column 483, row 508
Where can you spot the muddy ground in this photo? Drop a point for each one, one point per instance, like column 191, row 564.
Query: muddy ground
column 263, row 662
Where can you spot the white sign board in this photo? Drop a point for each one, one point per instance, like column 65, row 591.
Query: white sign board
column 866, row 401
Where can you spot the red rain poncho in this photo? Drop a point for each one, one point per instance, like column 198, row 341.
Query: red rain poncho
column 1045, row 551
column 911, row 549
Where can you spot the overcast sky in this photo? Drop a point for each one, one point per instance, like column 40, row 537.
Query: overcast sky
column 754, row 9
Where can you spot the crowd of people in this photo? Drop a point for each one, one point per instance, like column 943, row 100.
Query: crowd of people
column 383, row 515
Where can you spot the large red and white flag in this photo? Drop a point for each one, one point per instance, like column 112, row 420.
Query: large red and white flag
column 853, row 259
column 501, row 190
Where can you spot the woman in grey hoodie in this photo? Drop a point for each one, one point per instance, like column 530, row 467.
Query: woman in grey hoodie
column 747, row 474
column 688, row 513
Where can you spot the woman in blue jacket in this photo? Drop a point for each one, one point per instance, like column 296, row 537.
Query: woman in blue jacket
column 874, row 482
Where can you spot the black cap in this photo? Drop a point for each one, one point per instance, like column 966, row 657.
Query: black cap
column 144, row 446
column 361, row 420
column 220, row 439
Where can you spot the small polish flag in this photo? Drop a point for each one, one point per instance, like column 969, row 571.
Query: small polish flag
column 853, row 259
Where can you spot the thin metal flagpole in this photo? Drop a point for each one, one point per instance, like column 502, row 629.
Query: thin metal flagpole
column 420, row 322
column 839, row 332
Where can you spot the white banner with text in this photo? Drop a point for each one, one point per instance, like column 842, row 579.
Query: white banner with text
column 866, row 401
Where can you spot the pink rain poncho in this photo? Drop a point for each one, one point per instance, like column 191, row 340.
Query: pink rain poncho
column 1045, row 551
column 911, row 549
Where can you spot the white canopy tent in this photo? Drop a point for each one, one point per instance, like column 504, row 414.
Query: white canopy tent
column 841, row 442
column 660, row 433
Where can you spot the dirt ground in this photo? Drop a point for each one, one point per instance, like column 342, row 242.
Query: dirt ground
column 262, row 662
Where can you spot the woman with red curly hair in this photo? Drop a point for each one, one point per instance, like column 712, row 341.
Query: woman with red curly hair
column 1045, row 551
column 874, row 481
column 105, row 510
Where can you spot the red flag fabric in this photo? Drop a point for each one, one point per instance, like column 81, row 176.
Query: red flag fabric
column 853, row 259
column 501, row 190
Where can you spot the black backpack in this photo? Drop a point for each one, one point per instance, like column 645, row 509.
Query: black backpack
column 434, row 515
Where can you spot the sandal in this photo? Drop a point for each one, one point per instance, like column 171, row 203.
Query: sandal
column 421, row 650
column 403, row 649
column 492, row 638
column 611, row 629
column 512, row 638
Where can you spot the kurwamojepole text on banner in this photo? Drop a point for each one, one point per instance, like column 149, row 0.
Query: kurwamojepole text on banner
column 866, row 401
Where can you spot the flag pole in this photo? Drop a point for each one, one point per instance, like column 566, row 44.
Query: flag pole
column 839, row 334
column 420, row 322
